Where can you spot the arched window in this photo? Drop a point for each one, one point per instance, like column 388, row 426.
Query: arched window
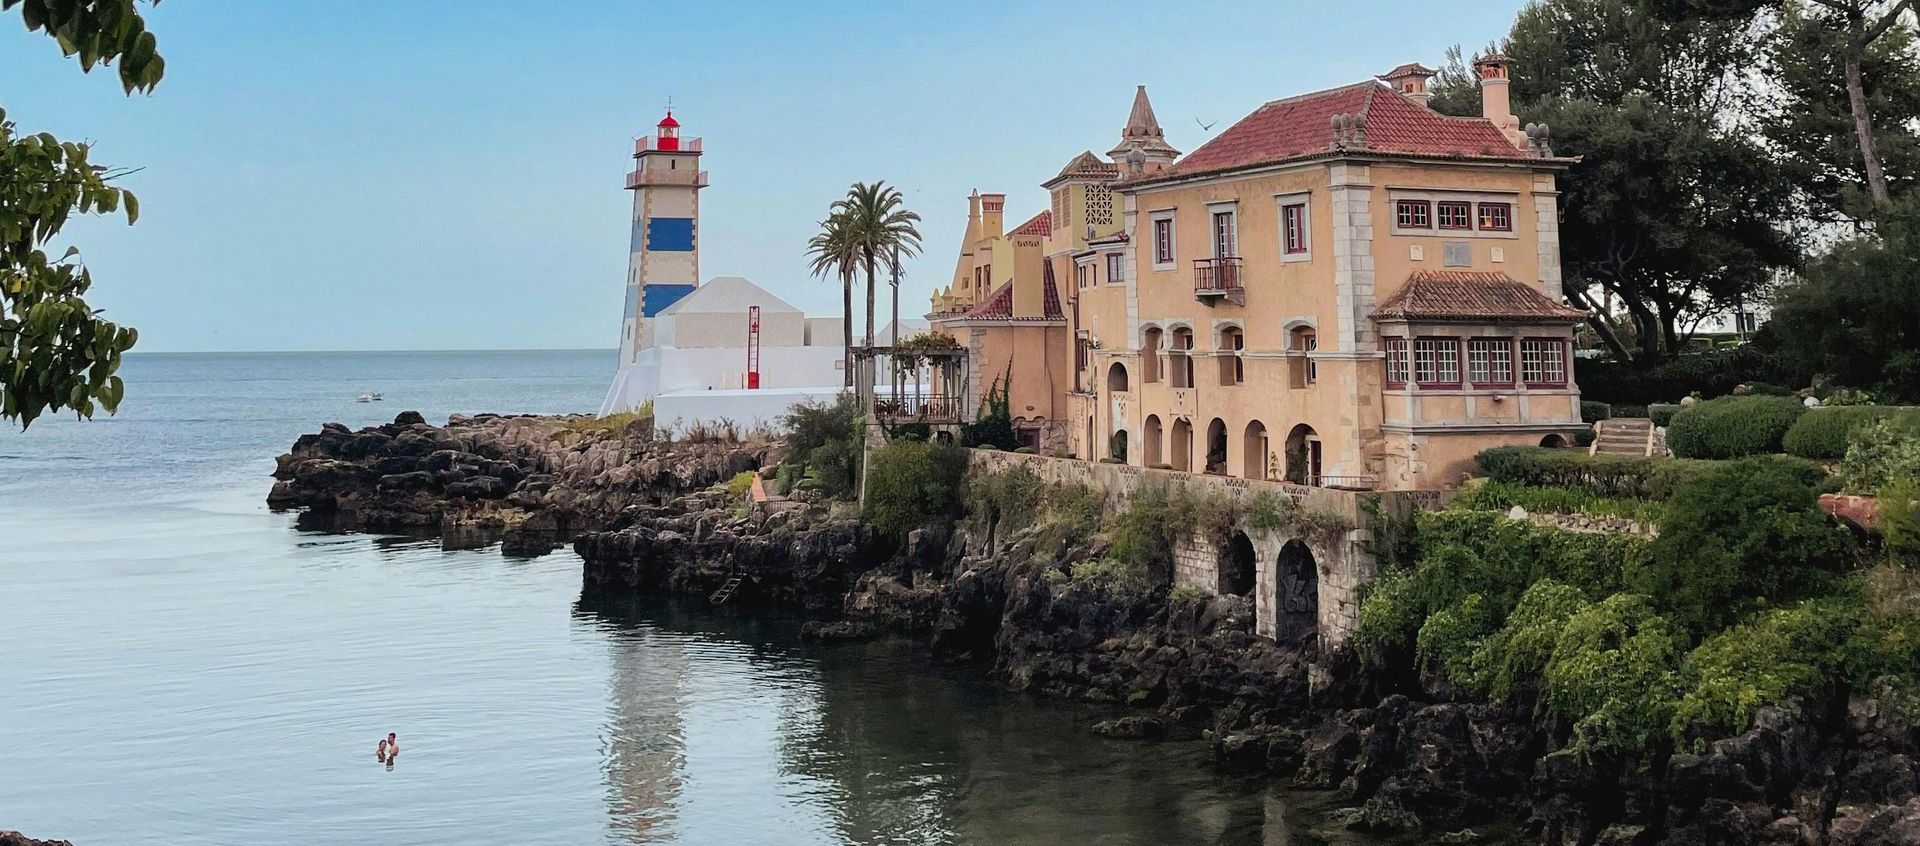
column 1117, row 378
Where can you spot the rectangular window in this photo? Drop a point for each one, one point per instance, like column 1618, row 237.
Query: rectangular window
column 1116, row 268
column 1163, row 241
column 1313, row 367
column 1293, row 220
column 1455, row 214
column 1414, row 214
column 1436, row 362
column 1396, row 362
column 1543, row 362
column 1083, row 274
column 1223, row 235
column 1496, row 217
column 1490, row 361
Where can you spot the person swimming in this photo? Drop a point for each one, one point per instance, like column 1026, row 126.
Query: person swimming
column 388, row 748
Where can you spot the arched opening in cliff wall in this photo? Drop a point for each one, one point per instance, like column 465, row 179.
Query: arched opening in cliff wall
column 1297, row 601
column 1150, row 439
column 1237, row 566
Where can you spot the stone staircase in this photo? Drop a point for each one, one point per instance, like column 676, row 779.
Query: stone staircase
column 1626, row 436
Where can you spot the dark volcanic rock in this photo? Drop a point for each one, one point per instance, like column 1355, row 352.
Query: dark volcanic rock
column 14, row 838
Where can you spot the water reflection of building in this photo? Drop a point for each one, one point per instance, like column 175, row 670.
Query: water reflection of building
column 644, row 737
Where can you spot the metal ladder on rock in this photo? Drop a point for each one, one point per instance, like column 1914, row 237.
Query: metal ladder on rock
column 726, row 591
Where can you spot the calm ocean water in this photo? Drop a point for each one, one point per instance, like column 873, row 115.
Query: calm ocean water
column 178, row 665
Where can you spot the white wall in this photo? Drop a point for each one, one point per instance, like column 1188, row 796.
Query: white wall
column 726, row 367
column 746, row 410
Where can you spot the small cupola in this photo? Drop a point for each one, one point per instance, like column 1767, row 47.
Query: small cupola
column 669, row 132
column 1410, row 80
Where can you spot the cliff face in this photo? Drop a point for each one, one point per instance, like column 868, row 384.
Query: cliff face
column 1192, row 667
column 1400, row 752
column 530, row 481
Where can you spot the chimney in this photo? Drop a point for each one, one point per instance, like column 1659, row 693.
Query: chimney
column 1410, row 80
column 991, row 224
column 1496, row 103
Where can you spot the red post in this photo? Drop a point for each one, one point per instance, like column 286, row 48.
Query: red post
column 753, row 347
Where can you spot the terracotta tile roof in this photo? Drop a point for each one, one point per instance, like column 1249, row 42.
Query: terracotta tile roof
column 1302, row 126
column 1087, row 165
column 1453, row 295
column 1410, row 69
column 999, row 304
column 1041, row 224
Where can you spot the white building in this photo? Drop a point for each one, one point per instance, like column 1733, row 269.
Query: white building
column 692, row 348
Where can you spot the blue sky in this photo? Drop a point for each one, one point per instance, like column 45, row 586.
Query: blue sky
column 447, row 175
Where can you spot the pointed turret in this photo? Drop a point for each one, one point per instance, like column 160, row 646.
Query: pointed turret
column 1143, row 131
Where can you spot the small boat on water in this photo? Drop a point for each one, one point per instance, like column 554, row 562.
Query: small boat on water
column 368, row 397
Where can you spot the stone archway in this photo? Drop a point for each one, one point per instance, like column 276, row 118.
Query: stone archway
column 1150, row 441
column 1253, row 451
column 1117, row 378
column 1554, row 441
column 1181, row 450
column 1296, row 605
column 1237, row 566
column 1117, row 446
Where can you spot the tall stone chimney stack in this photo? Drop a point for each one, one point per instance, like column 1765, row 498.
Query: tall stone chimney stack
column 1496, row 100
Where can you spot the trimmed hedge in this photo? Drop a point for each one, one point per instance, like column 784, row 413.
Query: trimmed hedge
column 1612, row 475
column 1629, row 412
column 1661, row 413
column 1823, row 432
column 1709, row 374
column 1594, row 412
column 1733, row 427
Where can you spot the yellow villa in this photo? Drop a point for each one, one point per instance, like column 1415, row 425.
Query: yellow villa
column 1345, row 288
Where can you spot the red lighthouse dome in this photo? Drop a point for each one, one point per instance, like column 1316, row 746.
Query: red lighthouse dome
column 669, row 132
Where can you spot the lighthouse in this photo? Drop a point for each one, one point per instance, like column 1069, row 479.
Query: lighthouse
column 663, row 260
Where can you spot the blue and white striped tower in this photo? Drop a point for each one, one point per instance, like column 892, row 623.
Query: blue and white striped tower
column 663, row 264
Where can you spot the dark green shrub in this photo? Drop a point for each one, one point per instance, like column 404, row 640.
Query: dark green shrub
column 1661, row 413
column 913, row 483
column 1794, row 651
column 1765, row 389
column 1613, row 672
column 1741, row 534
column 1630, row 412
column 1878, row 454
column 1594, row 412
column 994, row 428
column 1824, row 432
column 1709, row 374
column 1733, row 427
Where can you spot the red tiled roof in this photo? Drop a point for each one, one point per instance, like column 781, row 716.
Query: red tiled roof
column 1472, row 295
column 1302, row 126
column 999, row 304
column 1041, row 224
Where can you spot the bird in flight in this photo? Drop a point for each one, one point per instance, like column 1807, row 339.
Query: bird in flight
column 1205, row 127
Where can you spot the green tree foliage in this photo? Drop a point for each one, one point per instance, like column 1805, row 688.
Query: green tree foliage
column 1854, row 314
column 1794, row 651
column 1675, row 209
column 1824, row 433
column 1880, row 454
column 878, row 229
column 1812, row 121
column 824, row 444
column 1743, row 534
column 912, row 483
column 832, row 253
column 56, row 352
column 1733, row 427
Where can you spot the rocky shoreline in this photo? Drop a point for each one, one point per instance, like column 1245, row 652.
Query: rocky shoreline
column 1403, row 753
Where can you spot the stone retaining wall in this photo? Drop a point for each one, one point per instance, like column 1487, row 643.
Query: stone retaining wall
column 1342, row 560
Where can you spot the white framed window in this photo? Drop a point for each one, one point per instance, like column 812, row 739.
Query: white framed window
column 1413, row 214
column 1226, row 236
column 1116, row 268
column 1451, row 213
column 1455, row 214
column 1083, row 274
column 1543, row 362
column 1436, row 362
column 1312, row 342
column 1296, row 227
column 1496, row 217
column 1490, row 361
column 1163, row 243
column 1396, row 361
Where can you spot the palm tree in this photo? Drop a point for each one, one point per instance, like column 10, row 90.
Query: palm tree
column 880, row 228
column 833, row 252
